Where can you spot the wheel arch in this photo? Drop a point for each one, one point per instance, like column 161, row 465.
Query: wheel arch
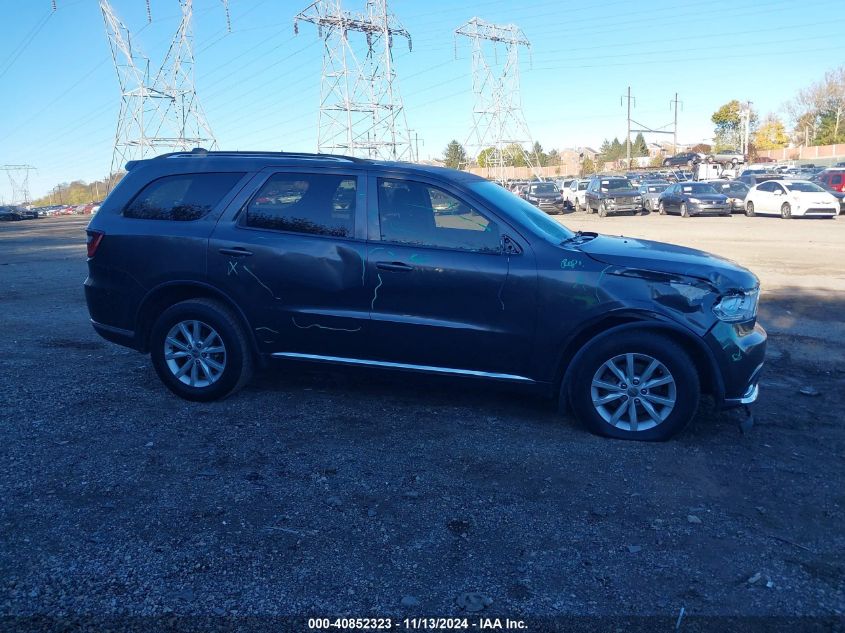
column 165, row 295
column 694, row 346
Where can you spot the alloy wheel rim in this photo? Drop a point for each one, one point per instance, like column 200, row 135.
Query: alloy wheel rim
column 195, row 353
column 633, row 392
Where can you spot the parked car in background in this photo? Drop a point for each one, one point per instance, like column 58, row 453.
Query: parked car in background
column 326, row 259
column 727, row 156
column 789, row 199
column 11, row 213
column 687, row 158
column 735, row 190
column 833, row 178
column 693, row 198
column 545, row 195
column 650, row 191
column 612, row 194
column 765, row 159
column 799, row 173
column 753, row 177
column 573, row 197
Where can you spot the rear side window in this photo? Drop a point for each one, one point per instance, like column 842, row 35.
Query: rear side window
column 181, row 197
column 317, row 204
column 836, row 179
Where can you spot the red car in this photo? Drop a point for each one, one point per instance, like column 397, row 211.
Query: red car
column 832, row 179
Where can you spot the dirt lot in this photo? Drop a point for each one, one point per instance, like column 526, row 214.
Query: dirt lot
column 369, row 494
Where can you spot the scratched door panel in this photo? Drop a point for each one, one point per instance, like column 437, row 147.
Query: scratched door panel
column 302, row 292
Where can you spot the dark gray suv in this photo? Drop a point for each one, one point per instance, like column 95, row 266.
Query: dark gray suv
column 612, row 194
column 216, row 262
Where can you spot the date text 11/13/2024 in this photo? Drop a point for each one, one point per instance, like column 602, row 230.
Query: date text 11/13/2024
column 416, row 624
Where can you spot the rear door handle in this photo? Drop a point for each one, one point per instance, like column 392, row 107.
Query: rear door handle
column 396, row 267
column 238, row 251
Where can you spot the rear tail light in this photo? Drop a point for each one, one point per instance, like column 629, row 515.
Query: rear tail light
column 94, row 239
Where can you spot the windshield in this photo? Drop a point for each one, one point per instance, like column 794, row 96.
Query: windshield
column 806, row 187
column 546, row 187
column 616, row 183
column 545, row 226
column 697, row 187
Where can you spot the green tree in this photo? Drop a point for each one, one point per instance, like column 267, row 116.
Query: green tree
column 486, row 157
column 454, row 155
column 514, row 155
column 539, row 155
column 771, row 134
column 639, row 147
column 587, row 167
column 728, row 120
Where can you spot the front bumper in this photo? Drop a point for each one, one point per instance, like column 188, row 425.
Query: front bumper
column 624, row 205
column 709, row 209
column 739, row 351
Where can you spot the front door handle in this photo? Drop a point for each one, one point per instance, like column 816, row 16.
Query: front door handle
column 238, row 251
column 396, row 267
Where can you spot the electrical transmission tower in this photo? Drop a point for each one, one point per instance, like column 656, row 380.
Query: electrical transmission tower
column 19, row 180
column 162, row 112
column 361, row 110
column 498, row 124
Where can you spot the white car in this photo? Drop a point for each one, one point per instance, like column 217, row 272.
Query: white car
column 573, row 195
column 789, row 199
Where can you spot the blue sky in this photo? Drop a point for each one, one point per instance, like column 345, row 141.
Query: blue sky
column 259, row 85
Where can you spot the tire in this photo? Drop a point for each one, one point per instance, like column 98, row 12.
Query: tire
column 749, row 209
column 602, row 210
column 661, row 209
column 786, row 211
column 647, row 206
column 578, row 207
column 678, row 398
column 684, row 210
column 219, row 329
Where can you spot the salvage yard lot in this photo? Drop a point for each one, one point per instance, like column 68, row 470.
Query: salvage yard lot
column 331, row 492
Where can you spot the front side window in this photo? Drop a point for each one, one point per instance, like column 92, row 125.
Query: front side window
column 316, row 204
column 419, row 214
column 181, row 197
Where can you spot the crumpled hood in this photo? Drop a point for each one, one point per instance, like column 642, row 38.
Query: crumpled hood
column 639, row 254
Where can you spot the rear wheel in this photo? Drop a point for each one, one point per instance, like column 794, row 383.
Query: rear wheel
column 749, row 209
column 636, row 386
column 785, row 211
column 200, row 351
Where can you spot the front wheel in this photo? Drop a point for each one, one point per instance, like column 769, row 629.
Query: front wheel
column 749, row 209
column 578, row 207
column 661, row 209
column 200, row 350
column 602, row 210
column 684, row 210
column 635, row 386
column 786, row 211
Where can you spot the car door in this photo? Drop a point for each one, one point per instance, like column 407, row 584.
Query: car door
column 290, row 252
column 764, row 199
column 669, row 198
column 450, row 285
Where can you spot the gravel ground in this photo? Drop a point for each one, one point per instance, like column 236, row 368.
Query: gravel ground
column 363, row 493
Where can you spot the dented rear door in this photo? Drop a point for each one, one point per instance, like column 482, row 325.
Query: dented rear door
column 291, row 253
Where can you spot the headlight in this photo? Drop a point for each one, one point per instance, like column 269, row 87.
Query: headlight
column 638, row 199
column 737, row 307
column 610, row 200
column 695, row 201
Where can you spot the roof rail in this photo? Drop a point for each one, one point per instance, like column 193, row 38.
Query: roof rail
column 200, row 152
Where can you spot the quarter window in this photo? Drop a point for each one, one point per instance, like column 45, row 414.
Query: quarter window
column 182, row 197
column 317, row 204
column 415, row 213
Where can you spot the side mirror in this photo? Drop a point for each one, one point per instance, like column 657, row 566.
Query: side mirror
column 778, row 192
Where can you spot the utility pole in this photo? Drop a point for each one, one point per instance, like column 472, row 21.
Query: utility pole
column 628, row 141
column 675, row 132
column 19, row 180
column 361, row 110
column 498, row 122
column 745, row 115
